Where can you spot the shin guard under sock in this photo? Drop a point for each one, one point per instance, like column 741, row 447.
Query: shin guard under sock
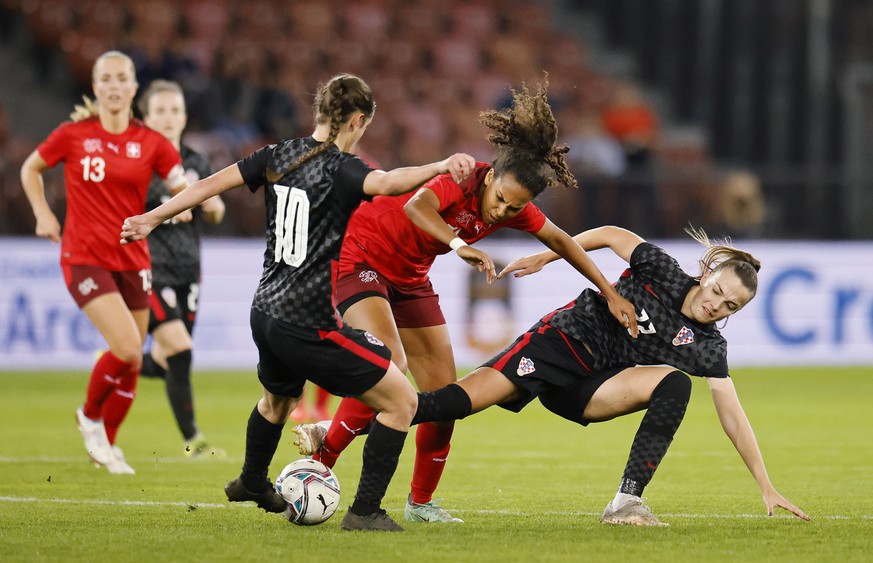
column 262, row 439
column 381, row 452
column 351, row 419
column 105, row 376
column 178, row 384
column 432, row 444
column 659, row 425
column 118, row 403
column 446, row 404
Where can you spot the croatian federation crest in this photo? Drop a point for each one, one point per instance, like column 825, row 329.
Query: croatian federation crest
column 525, row 366
column 684, row 336
column 372, row 339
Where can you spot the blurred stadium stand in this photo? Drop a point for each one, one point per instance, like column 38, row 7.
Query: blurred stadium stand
column 665, row 103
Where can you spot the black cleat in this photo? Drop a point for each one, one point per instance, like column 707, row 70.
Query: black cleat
column 378, row 521
column 269, row 499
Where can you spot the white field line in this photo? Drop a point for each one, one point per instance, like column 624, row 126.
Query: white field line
column 136, row 459
column 460, row 511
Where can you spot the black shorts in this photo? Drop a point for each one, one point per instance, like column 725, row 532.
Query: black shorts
column 171, row 302
column 345, row 361
column 544, row 362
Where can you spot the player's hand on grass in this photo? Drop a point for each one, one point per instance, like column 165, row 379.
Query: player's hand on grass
column 774, row 499
column 478, row 259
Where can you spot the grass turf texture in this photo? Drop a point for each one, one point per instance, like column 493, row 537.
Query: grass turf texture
column 530, row 487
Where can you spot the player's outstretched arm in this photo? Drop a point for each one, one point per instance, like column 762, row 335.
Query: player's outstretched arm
column 402, row 180
column 738, row 428
column 139, row 226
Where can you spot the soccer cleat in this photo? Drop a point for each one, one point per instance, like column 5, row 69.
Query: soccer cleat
column 310, row 437
column 198, row 448
column 96, row 442
column 633, row 512
column 118, row 465
column 427, row 512
column 378, row 521
column 268, row 499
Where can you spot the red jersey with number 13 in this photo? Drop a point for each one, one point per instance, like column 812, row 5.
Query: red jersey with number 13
column 380, row 233
column 107, row 177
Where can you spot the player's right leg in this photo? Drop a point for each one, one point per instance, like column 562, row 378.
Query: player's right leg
column 395, row 400
column 353, row 417
column 432, row 364
column 263, row 432
column 112, row 385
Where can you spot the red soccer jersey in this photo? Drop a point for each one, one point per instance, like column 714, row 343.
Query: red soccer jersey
column 380, row 234
column 107, row 177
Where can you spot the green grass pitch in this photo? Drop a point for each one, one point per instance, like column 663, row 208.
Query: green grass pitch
column 530, row 487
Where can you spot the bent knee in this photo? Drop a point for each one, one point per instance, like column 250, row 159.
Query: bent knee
column 675, row 384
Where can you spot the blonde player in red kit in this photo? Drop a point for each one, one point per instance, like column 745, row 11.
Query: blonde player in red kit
column 109, row 159
column 383, row 285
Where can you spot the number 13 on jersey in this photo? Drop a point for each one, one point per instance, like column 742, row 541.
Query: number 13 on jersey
column 292, row 225
column 93, row 168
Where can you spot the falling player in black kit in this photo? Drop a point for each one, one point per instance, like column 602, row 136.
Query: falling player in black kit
column 311, row 186
column 586, row 368
column 175, row 250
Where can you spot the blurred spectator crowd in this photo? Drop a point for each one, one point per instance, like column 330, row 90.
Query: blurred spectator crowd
column 249, row 70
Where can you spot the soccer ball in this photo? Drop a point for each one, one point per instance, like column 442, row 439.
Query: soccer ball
column 311, row 490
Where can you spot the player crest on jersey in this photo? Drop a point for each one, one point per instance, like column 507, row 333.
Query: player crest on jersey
column 133, row 150
column 525, row 366
column 168, row 294
column 92, row 145
column 684, row 336
column 372, row 339
column 368, row 276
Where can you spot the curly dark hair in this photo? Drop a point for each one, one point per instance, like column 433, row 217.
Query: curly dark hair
column 524, row 137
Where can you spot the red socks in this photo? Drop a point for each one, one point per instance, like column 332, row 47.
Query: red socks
column 351, row 418
column 111, row 390
column 432, row 444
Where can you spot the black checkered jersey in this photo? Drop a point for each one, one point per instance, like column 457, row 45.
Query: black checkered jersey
column 175, row 247
column 657, row 287
column 307, row 212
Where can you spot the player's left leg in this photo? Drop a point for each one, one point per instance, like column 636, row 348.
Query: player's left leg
column 431, row 361
column 665, row 393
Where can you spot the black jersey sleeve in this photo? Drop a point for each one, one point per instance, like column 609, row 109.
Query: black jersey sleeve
column 253, row 168
column 349, row 181
column 654, row 264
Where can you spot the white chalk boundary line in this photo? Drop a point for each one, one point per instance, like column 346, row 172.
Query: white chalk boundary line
column 137, row 459
column 198, row 505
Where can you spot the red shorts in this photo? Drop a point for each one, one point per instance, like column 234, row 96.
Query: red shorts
column 413, row 307
column 87, row 282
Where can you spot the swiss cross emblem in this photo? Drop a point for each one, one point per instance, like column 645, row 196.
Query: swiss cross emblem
column 525, row 366
column 684, row 336
column 133, row 150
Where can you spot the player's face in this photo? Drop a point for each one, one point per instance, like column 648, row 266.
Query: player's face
column 114, row 84
column 166, row 115
column 503, row 198
column 721, row 295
